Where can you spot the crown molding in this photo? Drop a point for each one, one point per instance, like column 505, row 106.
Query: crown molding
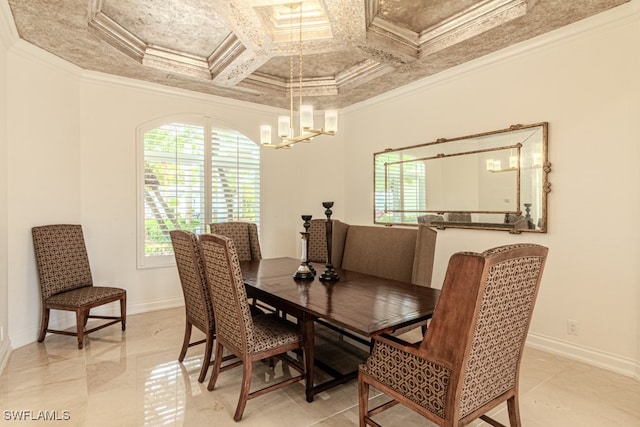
column 48, row 60
column 43, row 58
column 96, row 77
column 604, row 21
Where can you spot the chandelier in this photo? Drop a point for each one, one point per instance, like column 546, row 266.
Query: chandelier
column 286, row 131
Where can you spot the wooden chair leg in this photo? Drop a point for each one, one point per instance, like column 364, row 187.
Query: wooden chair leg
column 216, row 366
column 123, row 312
column 185, row 341
column 513, row 406
column 363, row 401
column 81, row 320
column 44, row 324
column 244, row 391
column 206, row 362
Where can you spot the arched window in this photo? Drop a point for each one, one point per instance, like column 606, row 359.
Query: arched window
column 192, row 173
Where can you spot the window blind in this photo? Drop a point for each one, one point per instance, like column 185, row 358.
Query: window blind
column 403, row 192
column 235, row 178
column 179, row 158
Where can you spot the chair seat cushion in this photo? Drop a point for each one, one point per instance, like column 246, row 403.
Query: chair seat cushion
column 85, row 296
column 271, row 331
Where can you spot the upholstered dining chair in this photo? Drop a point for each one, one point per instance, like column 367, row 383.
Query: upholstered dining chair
column 469, row 359
column 318, row 241
column 429, row 219
column 247, row 244
column 250, row 338
column 197, row 301
column 66, row 282
column 459, row 217
column 244, row 236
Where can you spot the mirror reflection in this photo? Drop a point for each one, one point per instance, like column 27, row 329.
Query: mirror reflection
column 494, row 180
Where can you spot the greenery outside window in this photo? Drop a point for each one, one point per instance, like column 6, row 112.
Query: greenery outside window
column 190, row 174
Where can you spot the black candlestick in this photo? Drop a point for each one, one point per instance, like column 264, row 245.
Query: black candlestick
column 530, row 224
column 329, row 274
column 306, row 225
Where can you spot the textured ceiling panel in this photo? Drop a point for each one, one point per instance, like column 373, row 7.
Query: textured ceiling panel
column 412, row 16
column 182, row 25
column 352, row 49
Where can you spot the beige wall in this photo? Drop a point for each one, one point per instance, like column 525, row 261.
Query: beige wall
column 584, row 81
column 43, row 171
column 4, row 306
column 292, row 181
column 70, row 146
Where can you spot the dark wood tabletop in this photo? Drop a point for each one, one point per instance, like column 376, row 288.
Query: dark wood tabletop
column 366, row 305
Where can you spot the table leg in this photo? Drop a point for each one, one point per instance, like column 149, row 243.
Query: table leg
column 309, row 354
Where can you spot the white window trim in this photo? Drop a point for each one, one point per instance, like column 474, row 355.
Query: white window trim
column 146, row 262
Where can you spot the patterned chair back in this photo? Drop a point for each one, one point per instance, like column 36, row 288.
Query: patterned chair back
column 244, row 235
column 459, row 217
column 61, row 258
column 234, row 325
column 429, row 218
column 318, row 241
column 192, row 278
column 481, row 322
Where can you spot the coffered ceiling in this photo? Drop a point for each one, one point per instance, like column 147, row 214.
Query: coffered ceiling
column 352, row 50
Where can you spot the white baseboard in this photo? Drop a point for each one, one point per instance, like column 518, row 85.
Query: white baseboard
column 599, row 359
column 146, row 307
column 67, row 320
column 5, row 352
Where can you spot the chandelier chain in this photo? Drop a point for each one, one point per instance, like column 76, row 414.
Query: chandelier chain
column 286, row 124
column 300, row 63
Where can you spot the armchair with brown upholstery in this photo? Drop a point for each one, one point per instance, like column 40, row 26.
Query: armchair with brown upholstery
column 244, row 235
column 469, row 360
column 249, row 338
column 66, row 282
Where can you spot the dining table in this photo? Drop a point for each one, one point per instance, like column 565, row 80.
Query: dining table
column 357, row 303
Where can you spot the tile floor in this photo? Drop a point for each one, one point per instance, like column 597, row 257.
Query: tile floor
column 134, row 379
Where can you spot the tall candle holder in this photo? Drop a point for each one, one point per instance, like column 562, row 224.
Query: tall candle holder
column 303, row 272
column 306, row 225
column 530, row 224
column 329, row 275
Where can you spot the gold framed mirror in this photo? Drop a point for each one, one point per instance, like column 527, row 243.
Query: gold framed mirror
column 495, row 180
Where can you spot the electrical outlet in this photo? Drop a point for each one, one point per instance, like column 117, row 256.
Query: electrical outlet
column 572, row 327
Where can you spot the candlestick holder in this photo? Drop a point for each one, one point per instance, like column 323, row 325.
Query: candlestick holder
column 530, row 224
column 329, row 274
column 306, row 225
column 303, row 272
